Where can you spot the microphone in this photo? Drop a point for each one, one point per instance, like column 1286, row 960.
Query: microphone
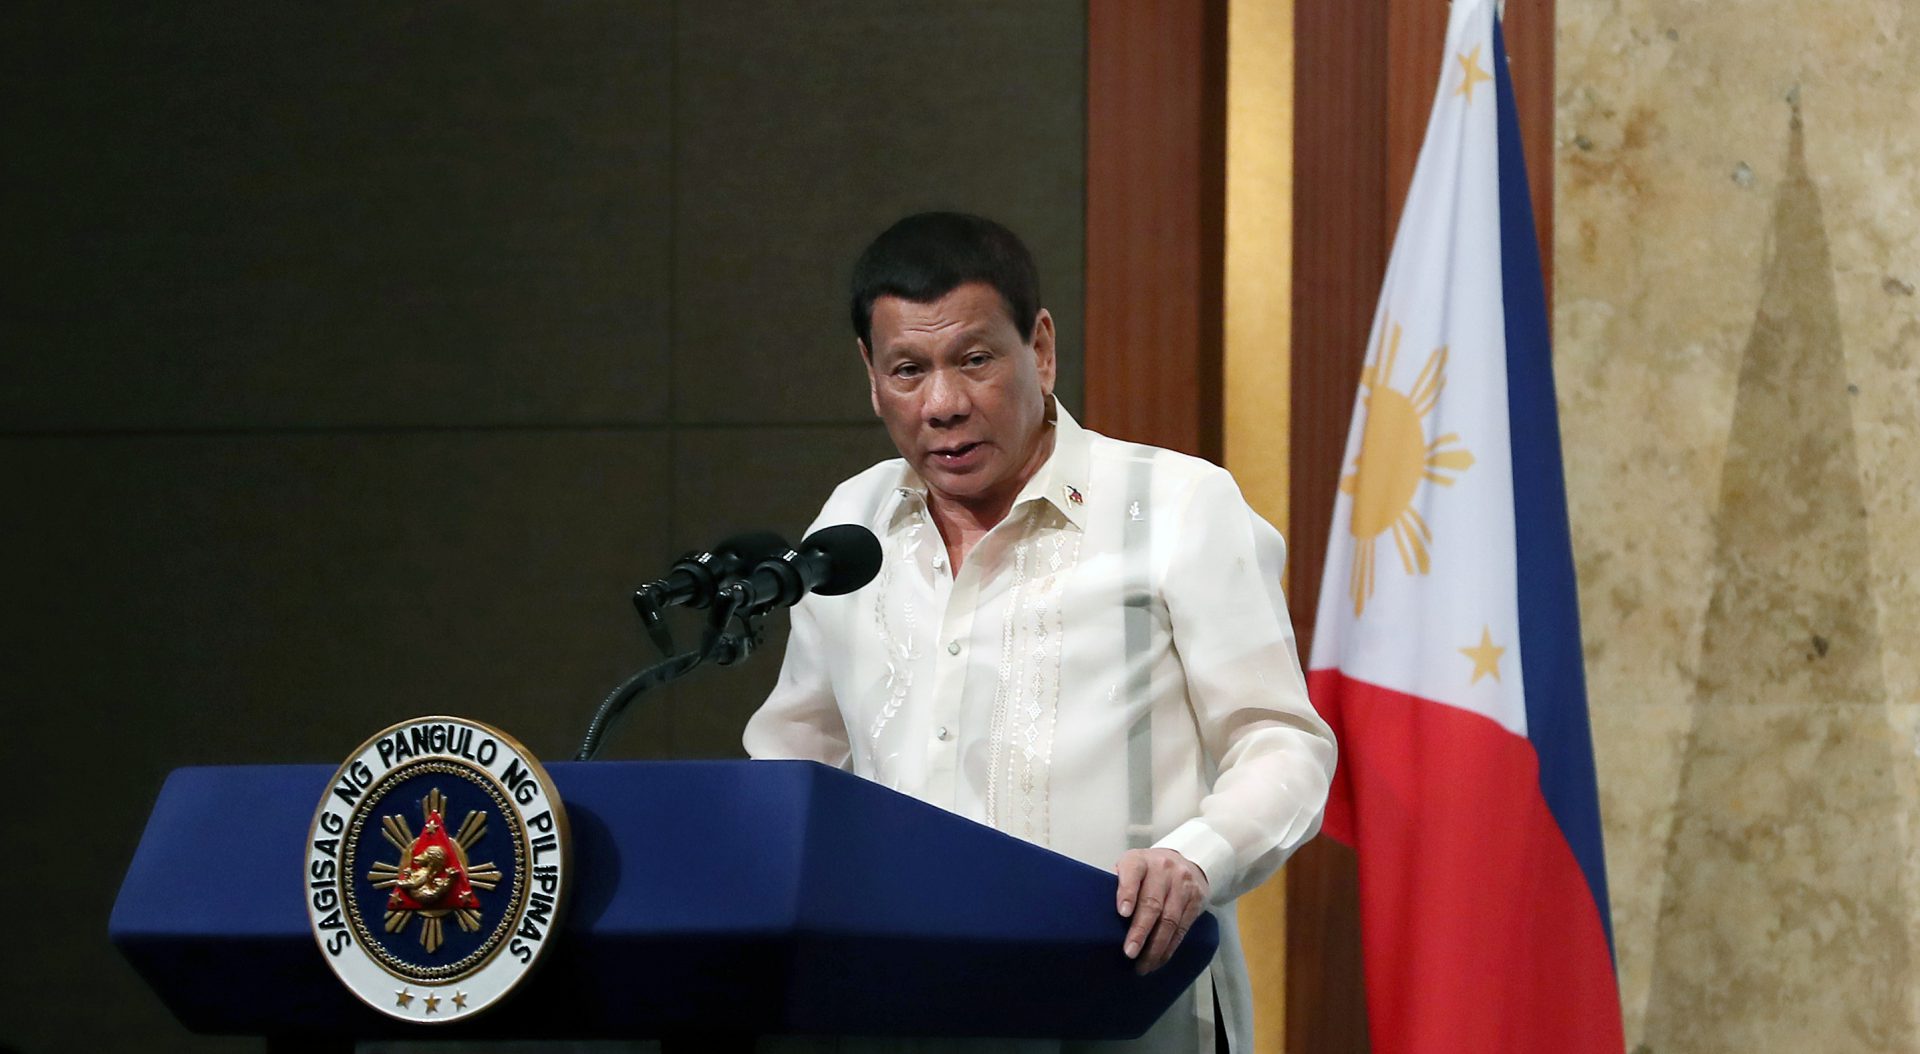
column 698, row 577
column 830, row 561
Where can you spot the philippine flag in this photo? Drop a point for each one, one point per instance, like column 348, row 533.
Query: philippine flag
column 1447, row 650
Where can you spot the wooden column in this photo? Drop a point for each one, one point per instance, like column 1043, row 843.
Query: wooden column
column 1340, row 241
column 1156, row 184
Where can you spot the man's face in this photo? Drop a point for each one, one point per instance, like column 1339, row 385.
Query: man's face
column 963, row 397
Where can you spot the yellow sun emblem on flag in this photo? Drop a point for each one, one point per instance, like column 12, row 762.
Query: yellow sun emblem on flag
column 1394, row 457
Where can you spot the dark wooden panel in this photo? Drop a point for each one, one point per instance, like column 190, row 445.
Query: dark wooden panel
column 1340, row 246
column 1156, row 205
column 1326, row 996
column 1341, row 235
column 1416, row 36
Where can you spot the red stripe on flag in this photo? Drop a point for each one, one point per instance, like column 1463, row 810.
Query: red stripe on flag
column 1478, row 930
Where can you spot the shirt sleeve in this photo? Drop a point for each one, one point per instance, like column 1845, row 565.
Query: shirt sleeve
column 801, row 718
column 1273, row 755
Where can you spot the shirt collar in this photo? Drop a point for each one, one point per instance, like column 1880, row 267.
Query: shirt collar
column 1061, row 480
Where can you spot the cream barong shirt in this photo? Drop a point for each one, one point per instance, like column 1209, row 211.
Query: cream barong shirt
column 1112, row 668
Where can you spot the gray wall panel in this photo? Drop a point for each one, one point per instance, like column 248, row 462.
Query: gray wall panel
column 770, row 477
column 245, row 215
column 803, row 134
column 337, row 581
column 359, row 363
column 181, row 600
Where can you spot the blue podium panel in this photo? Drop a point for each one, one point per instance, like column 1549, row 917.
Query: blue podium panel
column 740, row 897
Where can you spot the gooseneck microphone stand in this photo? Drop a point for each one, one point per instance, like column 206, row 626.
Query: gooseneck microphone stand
column 831, row 561
column 732, row 633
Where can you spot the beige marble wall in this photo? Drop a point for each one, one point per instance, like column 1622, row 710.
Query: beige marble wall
column 1738, row 344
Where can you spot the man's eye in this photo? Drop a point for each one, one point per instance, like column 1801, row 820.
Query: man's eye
column 978, row 358
column 906, row 369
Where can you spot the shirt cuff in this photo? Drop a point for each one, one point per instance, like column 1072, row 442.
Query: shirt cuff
column 1207, row 850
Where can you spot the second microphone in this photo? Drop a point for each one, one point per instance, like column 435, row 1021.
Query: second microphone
column 830, row 561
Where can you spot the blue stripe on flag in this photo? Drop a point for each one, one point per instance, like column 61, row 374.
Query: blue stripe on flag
column 1555, row 679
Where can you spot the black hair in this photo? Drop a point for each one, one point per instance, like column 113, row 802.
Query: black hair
column 930, row 254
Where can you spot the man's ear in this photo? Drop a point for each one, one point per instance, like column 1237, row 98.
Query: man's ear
column 1043, row 355
column 873, row 383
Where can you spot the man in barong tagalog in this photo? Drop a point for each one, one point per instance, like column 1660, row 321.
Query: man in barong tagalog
column 1074, row 639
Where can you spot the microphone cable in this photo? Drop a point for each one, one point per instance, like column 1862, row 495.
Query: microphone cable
column 653, row 676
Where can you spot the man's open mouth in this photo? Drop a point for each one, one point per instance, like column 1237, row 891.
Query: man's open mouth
column 956, row 453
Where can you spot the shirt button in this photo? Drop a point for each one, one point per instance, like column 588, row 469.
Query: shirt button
column 940, row 733
column 939, row 563
column 953, row 647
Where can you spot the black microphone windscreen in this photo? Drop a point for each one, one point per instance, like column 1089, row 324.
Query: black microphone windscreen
column 853, row 557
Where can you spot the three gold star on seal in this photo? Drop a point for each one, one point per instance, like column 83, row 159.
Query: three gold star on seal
column 404, row 999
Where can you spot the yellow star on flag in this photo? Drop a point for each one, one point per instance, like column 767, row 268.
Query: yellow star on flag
column 1471, row 71
column 1486, row 657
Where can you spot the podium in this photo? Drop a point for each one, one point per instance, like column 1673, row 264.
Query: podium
column 727, row 897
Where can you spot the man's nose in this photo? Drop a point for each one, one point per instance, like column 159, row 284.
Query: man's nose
column 947, row 398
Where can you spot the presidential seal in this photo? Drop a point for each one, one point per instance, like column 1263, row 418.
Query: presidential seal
column 437, row 868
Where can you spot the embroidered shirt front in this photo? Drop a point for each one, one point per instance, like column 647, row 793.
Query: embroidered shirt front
column 1112, row 667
